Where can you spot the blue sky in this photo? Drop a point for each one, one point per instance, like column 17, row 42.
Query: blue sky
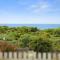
column 30, row 11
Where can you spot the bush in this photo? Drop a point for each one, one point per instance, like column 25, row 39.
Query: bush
column 41, row 45
column 5, row 46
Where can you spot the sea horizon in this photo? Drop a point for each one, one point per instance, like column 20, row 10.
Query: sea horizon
column 42, row 26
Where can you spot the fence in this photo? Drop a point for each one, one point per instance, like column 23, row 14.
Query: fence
column 30, row 55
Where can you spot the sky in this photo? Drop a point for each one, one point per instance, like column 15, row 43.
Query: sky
column 29, row 11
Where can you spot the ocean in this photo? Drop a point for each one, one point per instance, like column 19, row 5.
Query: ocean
column 41, row 26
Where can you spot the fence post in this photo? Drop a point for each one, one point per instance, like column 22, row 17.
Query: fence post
column 30, row 55
column 5, row 55
column 58, row 56
column 25, row 56
column 34, row 56
column 39, row 56
column 44, row 56
column 20, row 55
column 15, row 55
column 10, row 56
column 54, row 56
column 49, row 56
column 1, row 55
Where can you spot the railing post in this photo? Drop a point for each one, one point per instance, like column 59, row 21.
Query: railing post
column 20, row 55
column 15, row 55
column 10, row 55
column 49, row 56
column 1, row 55
column 25, row 56
column 5, row 55
column 44, row 56
column 30, row 55
column 34, row 56
column 54, row 56
column 58, row 56
column 39, row 56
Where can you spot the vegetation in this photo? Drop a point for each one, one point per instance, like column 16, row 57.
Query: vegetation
column 4, row 46
column 36, row 39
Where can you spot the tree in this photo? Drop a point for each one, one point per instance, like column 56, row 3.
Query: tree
column 24, row 40
column 40, row 44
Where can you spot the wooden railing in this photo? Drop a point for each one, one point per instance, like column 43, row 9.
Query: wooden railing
column 30, row 55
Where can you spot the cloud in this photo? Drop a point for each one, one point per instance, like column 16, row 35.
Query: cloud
column 39, row 7
column 44, row 6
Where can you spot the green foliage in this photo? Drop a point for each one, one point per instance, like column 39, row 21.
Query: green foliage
column 31, row 37
column 41, row 44
column 24, row 40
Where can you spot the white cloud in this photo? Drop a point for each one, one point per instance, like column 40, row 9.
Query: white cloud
column 39, row 7
column 44, row 6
